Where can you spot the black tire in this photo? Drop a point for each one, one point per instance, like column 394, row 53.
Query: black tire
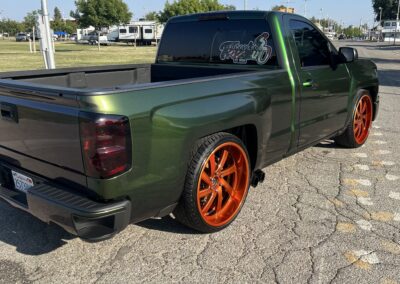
column 188, row 212
column 348, row 138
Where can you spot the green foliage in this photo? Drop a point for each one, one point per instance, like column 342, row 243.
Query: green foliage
column 184, row 7
column 102, row 13
column 57, row 15
column 351, row 31
column 11, row 27
column 30, row 19
column 59, row 25
column 151, row 16
column 325, row 22
column 278, row 7
column 389, row 9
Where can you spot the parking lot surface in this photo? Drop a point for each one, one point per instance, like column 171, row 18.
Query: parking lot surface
column 325, row 215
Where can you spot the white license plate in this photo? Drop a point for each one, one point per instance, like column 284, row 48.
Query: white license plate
column 22, row 182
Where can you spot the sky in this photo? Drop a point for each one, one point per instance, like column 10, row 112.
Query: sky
column 348, row 12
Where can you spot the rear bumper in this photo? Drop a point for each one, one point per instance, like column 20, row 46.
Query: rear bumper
column 75, row 213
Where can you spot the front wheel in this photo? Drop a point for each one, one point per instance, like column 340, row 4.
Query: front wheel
column 357, row 132
column 216, row 185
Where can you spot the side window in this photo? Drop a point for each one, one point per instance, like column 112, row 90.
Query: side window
column 312, row 47
column 122, row 31
column 132, row 30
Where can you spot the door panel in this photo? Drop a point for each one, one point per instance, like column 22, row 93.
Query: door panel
column 323, row 102
column 324, row 86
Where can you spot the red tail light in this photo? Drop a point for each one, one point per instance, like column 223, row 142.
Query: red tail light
column 106, row 144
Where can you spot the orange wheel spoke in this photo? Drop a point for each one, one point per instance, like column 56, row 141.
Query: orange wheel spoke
column 205, row 192
column 212, row 164
column 219, row 200
column 209, row 203
column 224, row 157
column 228, row 188
column 229, row 171
column 206, row 178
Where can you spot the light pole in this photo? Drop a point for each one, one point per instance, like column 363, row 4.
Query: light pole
column 48, row 38
column 397, row 22
column 305, row 8
column 322, row 15
column 380, row 15
column 245, row 4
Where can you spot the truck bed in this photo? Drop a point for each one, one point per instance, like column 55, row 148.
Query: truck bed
column 107, row 78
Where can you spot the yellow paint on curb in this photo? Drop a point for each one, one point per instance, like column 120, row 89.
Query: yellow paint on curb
column 353, row 259
column 391, row 247
column 357, row 193
column 346, row 227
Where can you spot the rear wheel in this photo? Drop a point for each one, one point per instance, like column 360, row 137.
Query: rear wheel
column 357, row 132
column 216, row 185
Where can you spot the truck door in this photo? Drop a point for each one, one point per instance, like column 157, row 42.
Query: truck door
column 324, row 86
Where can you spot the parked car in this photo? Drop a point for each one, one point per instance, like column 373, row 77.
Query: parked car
column 22, row 37
column 342, row 37
column 93, row 149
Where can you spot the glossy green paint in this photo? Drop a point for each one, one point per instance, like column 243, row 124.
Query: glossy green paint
column 166, row 121
column 168, row 118
column 284, row 53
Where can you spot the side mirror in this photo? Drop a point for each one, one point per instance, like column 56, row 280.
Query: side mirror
column 348, row 54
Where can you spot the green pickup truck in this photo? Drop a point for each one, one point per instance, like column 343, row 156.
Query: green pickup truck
column 95, row 149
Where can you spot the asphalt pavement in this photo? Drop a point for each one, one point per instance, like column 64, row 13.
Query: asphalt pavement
column 325, row 215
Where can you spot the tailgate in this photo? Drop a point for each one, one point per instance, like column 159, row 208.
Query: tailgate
column 42, row 128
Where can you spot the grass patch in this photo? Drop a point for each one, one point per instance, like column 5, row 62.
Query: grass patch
column 15, row 56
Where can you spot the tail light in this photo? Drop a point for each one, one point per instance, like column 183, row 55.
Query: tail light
column 106, row 144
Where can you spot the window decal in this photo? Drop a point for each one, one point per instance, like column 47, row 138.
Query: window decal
column 257, row 50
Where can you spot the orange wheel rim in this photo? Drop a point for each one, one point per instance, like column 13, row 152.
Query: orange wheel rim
column 362, row 119
column 223, row 184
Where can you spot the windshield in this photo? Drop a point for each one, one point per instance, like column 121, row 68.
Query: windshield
column 245, row 42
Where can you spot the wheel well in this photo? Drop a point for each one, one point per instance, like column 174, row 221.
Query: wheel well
column 248, row 135
column 374, row 94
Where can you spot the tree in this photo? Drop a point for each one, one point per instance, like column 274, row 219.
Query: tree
column 389, row 9
column 102, row 13
column 151, row 16
column 57, row 24
column 11, row 27
column 30, row 19
column 57, row 15
column 184, row 7
column 278, row 8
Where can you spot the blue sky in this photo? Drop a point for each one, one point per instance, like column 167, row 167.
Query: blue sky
column 348, row 11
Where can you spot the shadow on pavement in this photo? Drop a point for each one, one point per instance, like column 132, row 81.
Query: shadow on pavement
column 166, row 224
column 27, row 234
column 389, row 78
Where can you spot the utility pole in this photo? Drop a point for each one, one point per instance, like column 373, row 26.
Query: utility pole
column 397, row 21
column 48, row 38
column 245, row 4
column 322, row 15
column 305, row 8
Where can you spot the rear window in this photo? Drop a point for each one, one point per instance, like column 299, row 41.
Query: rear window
column 245, row 42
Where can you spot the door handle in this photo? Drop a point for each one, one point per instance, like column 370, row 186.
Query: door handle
column 309, row 83
column 9, row 112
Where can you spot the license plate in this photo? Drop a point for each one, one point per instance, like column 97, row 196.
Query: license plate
column 22, row 182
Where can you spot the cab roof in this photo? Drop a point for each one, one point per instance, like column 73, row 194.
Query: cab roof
column 222, row 15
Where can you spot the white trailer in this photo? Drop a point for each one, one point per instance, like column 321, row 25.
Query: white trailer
column 141, row 32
